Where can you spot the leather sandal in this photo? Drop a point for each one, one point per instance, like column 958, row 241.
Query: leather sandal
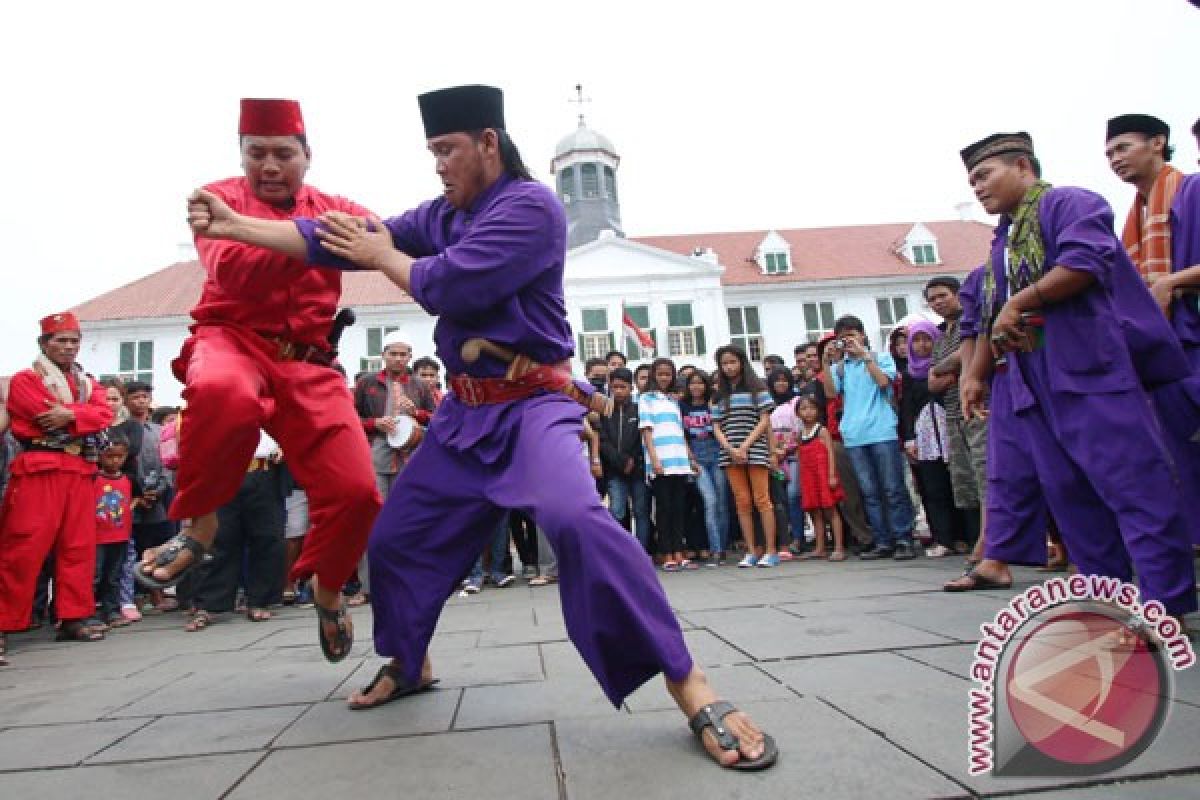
column 402, row 688
column 713, row 716
column 345, row 636
column 166, row 556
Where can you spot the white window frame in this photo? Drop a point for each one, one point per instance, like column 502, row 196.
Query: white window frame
column 918, row 251
column 138, row 373
column 373, row 362
column 776, row 262
column 752, row 342
column 815, row 334
column 886, row 327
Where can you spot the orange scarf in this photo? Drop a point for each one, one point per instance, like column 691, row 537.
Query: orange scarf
column 1147, row 234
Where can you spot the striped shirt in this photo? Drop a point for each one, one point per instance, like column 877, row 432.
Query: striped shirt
column 745, row 411
column 660, row 414
column 943, row 349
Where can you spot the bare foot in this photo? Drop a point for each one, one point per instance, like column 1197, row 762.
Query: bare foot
column 383, row 688
column 693, row 693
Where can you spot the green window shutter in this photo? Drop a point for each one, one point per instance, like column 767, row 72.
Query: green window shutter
column 827, row 315
column 640, row 316
column 783, row 262
column 654, row 337
column 810, row 317
column 145, row 355
column 579, row 343
column 127, row 359
column 883, row 307
column 595, row 320
column 632, row 351
column 374, row 341
column 612, row 341
column 901, row 304
column 679, row 315
column 700, row 348
column 752, row 323
column 735, row 322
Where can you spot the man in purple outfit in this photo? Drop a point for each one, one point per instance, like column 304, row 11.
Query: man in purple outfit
column 1164, row 216
column 1070, row 422
column 487, row 259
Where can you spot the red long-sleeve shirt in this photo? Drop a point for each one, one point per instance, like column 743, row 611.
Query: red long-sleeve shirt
column 28, row 397
column 262, row 290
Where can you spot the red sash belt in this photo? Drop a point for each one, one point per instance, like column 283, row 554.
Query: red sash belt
column 525, row 378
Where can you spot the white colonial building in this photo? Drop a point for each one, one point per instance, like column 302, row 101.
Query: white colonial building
column 765, row 290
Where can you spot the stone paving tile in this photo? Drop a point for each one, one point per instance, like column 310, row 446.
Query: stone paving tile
column 206, row 733
column 523, row 634
column 746, row 684
column 1183, row 787
column 514, row 762
column 332, row 721
column 822, row 754
column 43, row 703
column 182, row 779
column 945, row 744
column 269, row 685
column 770, row 633
column 60, row 745
column 482, row 666
column 834, row 676
column 522, row 703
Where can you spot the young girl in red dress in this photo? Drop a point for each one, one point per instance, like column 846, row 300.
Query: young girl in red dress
column 819, row 485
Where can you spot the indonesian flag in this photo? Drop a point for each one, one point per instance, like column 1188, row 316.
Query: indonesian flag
column 638, row 336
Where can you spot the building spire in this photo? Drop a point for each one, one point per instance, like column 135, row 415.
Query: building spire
column 580, row 100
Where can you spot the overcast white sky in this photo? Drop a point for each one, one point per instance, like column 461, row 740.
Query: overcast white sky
column 728, row 116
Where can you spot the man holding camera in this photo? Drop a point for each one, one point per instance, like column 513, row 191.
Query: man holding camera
column 869, row 429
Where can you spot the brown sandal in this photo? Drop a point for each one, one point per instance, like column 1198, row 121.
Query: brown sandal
column 199, row 621
column 76, row 631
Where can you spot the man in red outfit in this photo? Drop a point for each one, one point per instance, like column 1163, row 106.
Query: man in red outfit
column 56, row 409
column 259, row 357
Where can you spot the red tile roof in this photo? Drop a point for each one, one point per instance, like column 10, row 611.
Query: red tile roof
column 852, row 251
column 856, row 251
column 173, row 291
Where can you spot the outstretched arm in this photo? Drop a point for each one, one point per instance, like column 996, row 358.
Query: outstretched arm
column 211, row 218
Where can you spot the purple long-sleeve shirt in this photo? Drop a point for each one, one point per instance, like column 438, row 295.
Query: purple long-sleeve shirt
column 494, row 270
column 1185, row 252
column 1110, row 337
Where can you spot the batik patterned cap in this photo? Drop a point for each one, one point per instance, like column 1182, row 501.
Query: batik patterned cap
column 995, row 145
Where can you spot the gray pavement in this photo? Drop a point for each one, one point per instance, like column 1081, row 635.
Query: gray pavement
column 859, row 670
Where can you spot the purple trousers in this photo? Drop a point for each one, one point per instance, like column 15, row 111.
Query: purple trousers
column 1178, row 407
column 444, row 508
column 1099, row 464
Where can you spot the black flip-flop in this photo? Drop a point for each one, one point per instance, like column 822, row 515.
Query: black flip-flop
column 978, row 583
column 345, row 636
column 713, row 716
column 166, row 556
column 402, row 689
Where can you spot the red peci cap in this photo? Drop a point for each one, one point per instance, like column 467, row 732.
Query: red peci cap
column 57, row 323
column 270, row 117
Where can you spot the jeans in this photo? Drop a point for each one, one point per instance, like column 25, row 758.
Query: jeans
column 620, row 489
column 499, row 548
column 714, row 489
column 880, row 471
column 794, row 508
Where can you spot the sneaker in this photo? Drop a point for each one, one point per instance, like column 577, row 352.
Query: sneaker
column 712, row 563
column 469, row 588
column 747, row 561
column 785, row 555
column 504, row 581
column 905, row 552
column 938, row 551
column 768, row 561
column 130, row 612
column 670, row 566
column 877, row 553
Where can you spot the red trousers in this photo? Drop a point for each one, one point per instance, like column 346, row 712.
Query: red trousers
column 47, row 510
column 234, row 388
